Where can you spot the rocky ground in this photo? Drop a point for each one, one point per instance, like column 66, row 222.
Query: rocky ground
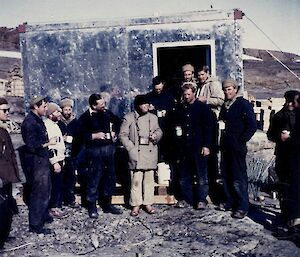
column 170, row 232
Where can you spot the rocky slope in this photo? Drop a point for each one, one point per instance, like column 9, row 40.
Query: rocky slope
column 266, row 77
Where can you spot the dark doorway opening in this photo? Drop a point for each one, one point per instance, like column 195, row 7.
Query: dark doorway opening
column 171, row 59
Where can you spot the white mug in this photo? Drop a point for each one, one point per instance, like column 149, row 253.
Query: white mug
column 69, row 139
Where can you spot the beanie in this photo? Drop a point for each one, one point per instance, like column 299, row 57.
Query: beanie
column 229, row 83
column 66, row 102
column 139, row 100
column 188, row 67
column 290, row 95
column 52, row 107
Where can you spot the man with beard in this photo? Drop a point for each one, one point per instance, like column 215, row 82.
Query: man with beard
column 68, row 126
column 98, row 128
column 57, row 156
column 188, row 73
column 8, row 174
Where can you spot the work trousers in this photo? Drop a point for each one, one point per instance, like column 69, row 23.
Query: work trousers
column 101, row 177
column 40, row 191
column 142, row 187
column 56, row 188
column 234, row 171
column 6, row 213
column 193, row 179
column 69, row 181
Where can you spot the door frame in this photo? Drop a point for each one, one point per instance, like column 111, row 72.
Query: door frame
column 211, row 57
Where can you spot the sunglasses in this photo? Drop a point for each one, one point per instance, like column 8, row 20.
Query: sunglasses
column 5, row 110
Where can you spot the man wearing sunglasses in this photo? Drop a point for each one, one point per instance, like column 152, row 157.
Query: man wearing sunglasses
column 8, row 174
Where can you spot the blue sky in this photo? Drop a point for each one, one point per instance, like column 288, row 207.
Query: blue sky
column 279, row 19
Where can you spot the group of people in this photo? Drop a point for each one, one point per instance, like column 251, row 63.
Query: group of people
column 206, row 117
column 184, row 130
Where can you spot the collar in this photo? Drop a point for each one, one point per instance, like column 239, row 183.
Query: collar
column 228, row 103
column 137, row 115
column 91, row 111
column 69, row 120
column 3, row 124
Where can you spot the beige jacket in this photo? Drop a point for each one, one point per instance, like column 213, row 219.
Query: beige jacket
column 134, row 126
column 213, row 92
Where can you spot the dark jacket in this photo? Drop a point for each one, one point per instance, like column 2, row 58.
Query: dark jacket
column 163, row 104
column 240, row 125
column 282, row 120
column 289, row 166
column 35, row 135
column 195, row 120
column 69, row 129
column 163, row 101
column 92, row 123
column 9, row 168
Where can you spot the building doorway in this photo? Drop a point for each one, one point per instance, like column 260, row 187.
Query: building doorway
column 169, row 57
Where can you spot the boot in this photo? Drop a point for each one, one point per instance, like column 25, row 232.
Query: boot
column 92, row 209
column 107, row 207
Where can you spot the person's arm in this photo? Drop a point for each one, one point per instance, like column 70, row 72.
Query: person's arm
column 30, row 138
column 124, row 133
column 157, row 132
column 249, row 121
column 217, row 96
column 274, row 130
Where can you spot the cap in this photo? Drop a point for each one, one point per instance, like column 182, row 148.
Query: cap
column 52, row 107
column 188, row 67
column 35, row 99
column 229, row 83
column 66, row 102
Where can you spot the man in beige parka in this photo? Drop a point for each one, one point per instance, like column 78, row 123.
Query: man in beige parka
column 140, row 134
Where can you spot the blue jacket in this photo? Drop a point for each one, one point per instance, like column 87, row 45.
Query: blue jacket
column 34, row 135
column 196, row 122
column 240, row 125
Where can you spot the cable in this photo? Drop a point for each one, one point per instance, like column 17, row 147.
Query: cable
column 285, row 66
column 265, row 35
column 273, row 56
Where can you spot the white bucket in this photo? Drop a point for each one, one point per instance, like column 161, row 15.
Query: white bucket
column 163, row 173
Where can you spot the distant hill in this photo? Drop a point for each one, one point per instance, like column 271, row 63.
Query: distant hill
column 264, row 77
column 9, row 39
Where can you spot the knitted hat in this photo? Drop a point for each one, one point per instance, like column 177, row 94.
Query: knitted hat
column 140, row 99
column 52, row 107
column 35, row 99
column 66, row 102
column 229, row 83
column 188, row 67
column 290, row 95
